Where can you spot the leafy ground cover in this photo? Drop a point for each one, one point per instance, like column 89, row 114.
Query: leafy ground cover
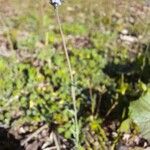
column 109, row 49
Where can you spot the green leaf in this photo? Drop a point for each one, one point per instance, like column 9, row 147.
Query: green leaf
column 140, row 114
column 125, row 126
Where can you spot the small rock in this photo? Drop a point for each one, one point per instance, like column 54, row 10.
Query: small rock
column 120, row 146
column 125, row 31
column 126, row 137
column 128, row 38
column 22, row 130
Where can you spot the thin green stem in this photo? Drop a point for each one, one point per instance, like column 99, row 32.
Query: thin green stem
column 73, row 95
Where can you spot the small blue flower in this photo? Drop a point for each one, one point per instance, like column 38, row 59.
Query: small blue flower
column 55, row 3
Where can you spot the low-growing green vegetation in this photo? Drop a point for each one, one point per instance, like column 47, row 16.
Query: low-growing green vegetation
column 109, row 50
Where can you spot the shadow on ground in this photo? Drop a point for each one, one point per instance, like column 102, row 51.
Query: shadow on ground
column 8, row 141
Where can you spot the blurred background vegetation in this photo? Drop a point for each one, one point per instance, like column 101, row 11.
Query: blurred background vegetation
column 109, row 48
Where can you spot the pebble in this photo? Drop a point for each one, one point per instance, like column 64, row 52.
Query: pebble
column 128, row 38
column 125, row 31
